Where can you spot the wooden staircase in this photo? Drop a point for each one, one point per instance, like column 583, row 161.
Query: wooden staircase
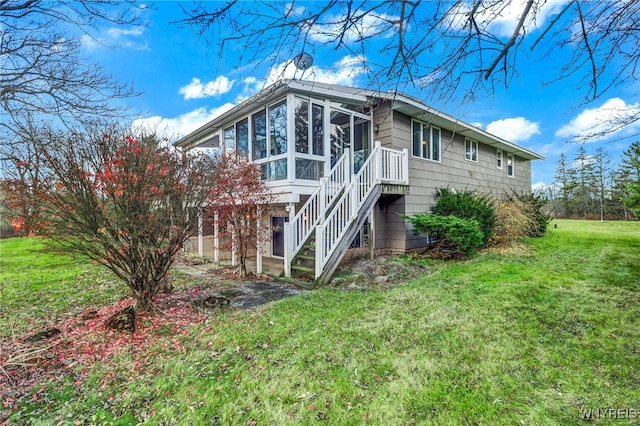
column 323, row 229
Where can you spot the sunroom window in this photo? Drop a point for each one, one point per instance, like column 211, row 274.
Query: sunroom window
column 242, row 138
column 259, row 135
column 278, row 128
column 309, row 139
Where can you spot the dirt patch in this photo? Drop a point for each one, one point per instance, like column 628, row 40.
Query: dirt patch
column 378, row 274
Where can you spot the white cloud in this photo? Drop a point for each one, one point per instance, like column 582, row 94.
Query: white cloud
column 294, row 10
column 116, row 33
column 115, row 37
column 181, row 125
column 614, row 117
column 368, row 26
column 343, row 72
column 517, row 129
column 216, row 87
column 501, row 18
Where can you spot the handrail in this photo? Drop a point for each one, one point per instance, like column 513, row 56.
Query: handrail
column 346, row 209
column 298, row 230
column 383, row 165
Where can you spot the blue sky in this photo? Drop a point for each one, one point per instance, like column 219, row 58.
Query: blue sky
column 185, row 84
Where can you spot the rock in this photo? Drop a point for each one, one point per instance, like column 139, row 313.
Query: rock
column 125, row 320
column 211, row 302
column 354, row 286
column 89, row 314
column 381, row 279
column 43, row 335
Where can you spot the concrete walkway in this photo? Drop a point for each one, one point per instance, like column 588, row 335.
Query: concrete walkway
column 243, row 295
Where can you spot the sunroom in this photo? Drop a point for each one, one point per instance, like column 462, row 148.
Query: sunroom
column 314, row 145
column 294, row 136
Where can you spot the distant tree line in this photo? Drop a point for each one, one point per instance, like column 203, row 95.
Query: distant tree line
column 589, row 186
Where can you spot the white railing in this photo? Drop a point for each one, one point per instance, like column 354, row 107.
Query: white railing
column 298, row 230
column 394, row 166
column 384, row 165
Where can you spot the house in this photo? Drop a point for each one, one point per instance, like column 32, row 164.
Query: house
column 345, row 162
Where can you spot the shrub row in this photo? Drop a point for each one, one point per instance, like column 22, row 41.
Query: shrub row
column 462, row 221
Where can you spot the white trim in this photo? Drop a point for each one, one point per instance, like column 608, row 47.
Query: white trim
column 511, row 157
column 473, row 142
column 429, row 148
column 501, row 157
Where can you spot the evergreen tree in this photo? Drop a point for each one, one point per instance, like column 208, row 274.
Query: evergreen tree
column 602, row 161
column 628, row 178
column 565, row 184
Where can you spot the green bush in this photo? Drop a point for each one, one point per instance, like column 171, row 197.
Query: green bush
column 467, row 205
column 450, row 233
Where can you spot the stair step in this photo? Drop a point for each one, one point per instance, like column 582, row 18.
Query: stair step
column 305, row 257
column 309, row 247
column 305, row 269
column 307, row 285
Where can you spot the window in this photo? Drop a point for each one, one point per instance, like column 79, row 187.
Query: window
column 510, row 165
column 302, row 125
column 426, row 141
column 471, row 150
column 317, row 129
column 435, row 144
column 259, row 135
column 278, row 128
column 309, row 127
column 229, row 135
column 499, row 158
column 242, row 138
column 309, row 169
column 274, row 170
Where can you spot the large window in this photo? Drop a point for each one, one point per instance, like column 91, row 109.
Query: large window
column 426, row 141
column 236, row 138
column 339, row 134
column 510, row 165
column 309, row 169
column 242, row 138
column 309, row 124
column 259, row 134
column 471, row 150
column 274, row 170
column 317, row 129
column 302, row 125
column 229, row 135
column 269, row 139
column 278, row 128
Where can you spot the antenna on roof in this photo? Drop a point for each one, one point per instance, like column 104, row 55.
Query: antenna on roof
column 303, row 62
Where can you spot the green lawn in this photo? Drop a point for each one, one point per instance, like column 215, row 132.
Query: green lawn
column 526, row 338
column 38, row 285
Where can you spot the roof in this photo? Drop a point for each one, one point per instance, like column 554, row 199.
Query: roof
column 400, row 102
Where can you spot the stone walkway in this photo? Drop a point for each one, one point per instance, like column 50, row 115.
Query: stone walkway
column 244, row 295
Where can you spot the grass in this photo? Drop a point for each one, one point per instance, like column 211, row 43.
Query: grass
column 500, row 339
column 38, row 285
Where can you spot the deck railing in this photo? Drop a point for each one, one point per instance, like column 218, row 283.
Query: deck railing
column 331, row 219
column 298, row 230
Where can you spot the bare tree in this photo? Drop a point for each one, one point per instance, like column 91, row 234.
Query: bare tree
column 449, row 50
column 43, row 71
